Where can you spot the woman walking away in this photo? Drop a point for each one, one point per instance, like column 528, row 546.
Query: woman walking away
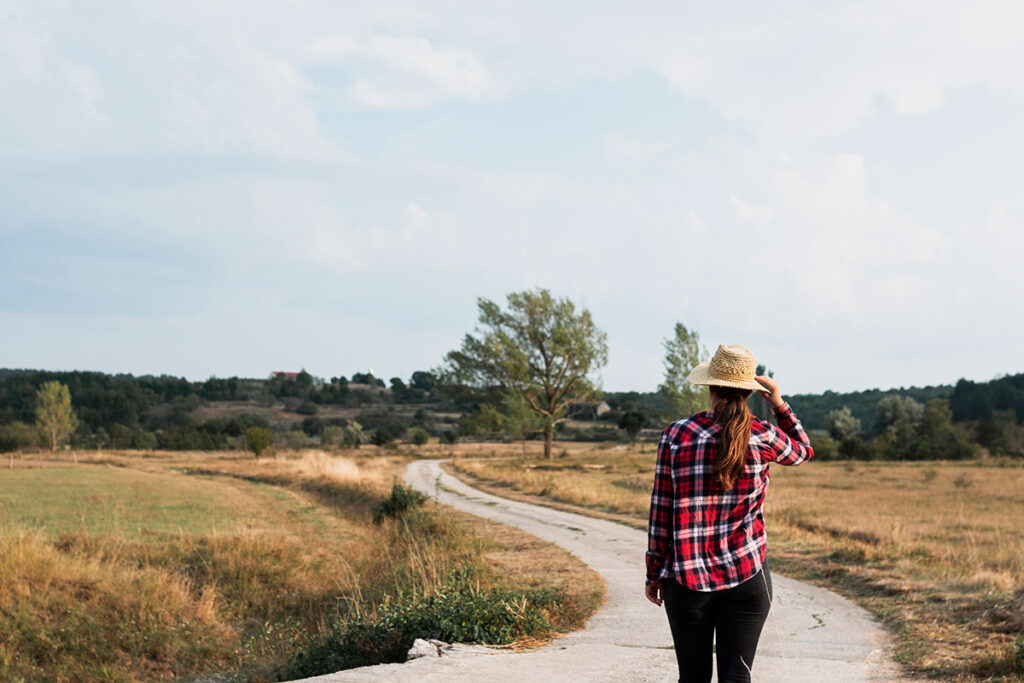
column 706, row 540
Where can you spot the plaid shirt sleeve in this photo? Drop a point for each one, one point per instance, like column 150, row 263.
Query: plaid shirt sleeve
column 659, row 527
column 788, row 443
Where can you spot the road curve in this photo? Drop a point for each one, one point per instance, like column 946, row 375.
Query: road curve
column 811, row 635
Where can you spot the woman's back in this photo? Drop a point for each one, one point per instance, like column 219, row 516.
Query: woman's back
column 707, row 537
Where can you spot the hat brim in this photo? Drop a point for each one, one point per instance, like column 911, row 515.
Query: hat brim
column 702, row 375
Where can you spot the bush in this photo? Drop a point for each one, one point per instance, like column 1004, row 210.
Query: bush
column 258, row 439
column 381, row 437
column 314, row 426
column 459, row 611
column 856, row 448
column 332, row 436
column 825, row 447
column 419, row 436
column 448, row 436
column 16, row 436
column 143, row 440
column 383, row 420
column 307, row 408
column 295, row 439
column 402, row 500
column 354, row 435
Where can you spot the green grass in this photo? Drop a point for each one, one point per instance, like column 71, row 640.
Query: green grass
column 131, row 503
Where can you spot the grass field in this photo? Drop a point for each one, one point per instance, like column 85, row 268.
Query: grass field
column 935, row 549
column 198, row 565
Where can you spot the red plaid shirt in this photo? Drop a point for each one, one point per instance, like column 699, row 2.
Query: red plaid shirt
column 706, row 538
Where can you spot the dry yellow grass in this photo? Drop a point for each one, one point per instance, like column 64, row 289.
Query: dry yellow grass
column 255, row 558
column 936, row 549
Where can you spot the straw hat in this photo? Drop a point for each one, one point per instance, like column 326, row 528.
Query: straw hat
column 731, row 366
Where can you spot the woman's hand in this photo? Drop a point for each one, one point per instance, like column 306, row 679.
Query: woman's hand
column 770, row 391
column 653, row 592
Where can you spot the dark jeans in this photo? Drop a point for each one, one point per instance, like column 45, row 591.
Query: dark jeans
column 733, row 617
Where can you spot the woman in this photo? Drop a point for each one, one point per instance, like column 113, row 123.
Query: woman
column 706, row 539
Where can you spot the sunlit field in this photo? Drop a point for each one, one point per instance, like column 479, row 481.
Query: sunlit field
column 936, row 549
column 149, row 566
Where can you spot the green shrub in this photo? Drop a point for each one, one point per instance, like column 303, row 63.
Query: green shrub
column 16, row 436
column 419, row 436
column 332, row 436
column 354, row 435
column 402, row 500
column 258, row 439
column 460, row 611
column 295, row 438
column 381, row 437
column 448, row 436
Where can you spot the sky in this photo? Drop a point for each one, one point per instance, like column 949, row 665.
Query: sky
column 232, row 188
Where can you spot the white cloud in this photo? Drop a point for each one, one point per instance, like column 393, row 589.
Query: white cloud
column 760, row 216
column 408, row 73
column 695, row 223
column 631, row 149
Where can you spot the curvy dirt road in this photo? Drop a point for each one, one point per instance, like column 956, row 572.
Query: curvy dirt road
column 811, row 634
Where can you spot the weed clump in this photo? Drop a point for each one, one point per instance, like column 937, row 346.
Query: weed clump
column 401, row 501
column 458, row 611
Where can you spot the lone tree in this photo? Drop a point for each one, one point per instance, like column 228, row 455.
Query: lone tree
column 683, row 352
column 540, row 348
column 632, row 422
column 54, row 416
column 258, row 439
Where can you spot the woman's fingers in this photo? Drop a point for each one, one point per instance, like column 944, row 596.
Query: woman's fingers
column 653, row 593
column 771, row 389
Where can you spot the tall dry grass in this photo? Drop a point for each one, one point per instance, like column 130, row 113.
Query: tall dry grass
column 239, row 588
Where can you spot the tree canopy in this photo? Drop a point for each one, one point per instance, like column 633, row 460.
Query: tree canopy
column 540, row 347
column 54, row 415
column 683, row 352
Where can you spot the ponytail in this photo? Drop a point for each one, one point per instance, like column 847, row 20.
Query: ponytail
column 732, row 414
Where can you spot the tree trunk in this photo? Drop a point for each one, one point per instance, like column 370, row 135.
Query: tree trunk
column 548, row 433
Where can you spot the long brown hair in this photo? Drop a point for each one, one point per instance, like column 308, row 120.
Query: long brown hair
column 732, row 413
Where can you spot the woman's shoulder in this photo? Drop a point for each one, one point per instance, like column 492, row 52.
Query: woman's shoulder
column 688, row 425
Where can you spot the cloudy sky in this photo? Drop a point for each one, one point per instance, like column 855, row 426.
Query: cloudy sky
column 232, row 188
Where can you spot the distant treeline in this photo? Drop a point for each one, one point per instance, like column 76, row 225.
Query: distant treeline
column 103, row 401
column 814, row 408
column 125, row 411
column 968, row 400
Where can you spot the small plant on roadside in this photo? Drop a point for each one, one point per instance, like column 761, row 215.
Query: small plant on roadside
column 459, row 611
column 402, row 500
column 258, row 440
column 963, row 481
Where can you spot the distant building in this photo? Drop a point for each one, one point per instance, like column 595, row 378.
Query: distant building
column 601, row 408
column 285, row 375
